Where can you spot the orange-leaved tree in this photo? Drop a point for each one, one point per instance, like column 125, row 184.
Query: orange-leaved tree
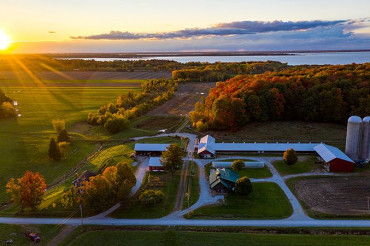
column 27, row 191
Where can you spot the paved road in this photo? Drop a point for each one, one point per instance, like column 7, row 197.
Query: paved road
column 140, row 172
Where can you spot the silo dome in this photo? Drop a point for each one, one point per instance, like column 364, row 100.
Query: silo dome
column 355, row 119
column 353, row 139
column 365, row 146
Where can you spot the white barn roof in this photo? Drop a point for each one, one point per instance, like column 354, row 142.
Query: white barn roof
column 155, row 162
column 329, row 153
column 228, row 164
column 151, row 147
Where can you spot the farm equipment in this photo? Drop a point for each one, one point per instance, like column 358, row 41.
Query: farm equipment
column 33, row 236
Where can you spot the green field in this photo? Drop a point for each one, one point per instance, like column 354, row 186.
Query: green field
column 24, row 142
column 173, row 238
column 16, row 233
column 304, row 166
column 267, row 201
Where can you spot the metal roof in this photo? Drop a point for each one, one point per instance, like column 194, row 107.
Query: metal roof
column 329, row 153
column 208, row 143
column 228, row 164
column 150, row 147
column 155, row 162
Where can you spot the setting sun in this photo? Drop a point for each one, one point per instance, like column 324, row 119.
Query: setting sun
column 4, row 40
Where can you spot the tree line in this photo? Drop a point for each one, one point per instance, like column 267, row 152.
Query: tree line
column 221, row 71
column 307, row 93
column 116, row 117
column 7, row 110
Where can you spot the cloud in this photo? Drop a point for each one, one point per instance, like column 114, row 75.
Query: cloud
column 222, row 29
column 52, row 32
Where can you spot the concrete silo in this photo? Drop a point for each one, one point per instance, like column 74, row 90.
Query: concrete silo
column 354, row 137
column 365, row 144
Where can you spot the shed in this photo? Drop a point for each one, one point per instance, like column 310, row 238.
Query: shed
column 150, row 149
column 223, row 180
column 248, row 164
column 334, row 158
column 155, row 164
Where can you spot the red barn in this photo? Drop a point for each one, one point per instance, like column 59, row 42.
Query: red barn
column 155, row 164
column 335, row 160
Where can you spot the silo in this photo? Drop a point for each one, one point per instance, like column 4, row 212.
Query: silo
column 365, row 145
column 353, row 137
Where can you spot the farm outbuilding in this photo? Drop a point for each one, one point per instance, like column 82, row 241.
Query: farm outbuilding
column 150, row 149
column 155, row 164
column 222, row 180
column 248, row 164
column 208, row 148
column 334, row 159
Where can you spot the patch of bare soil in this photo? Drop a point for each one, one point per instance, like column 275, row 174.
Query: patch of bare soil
column 184, row 100
column 340, row 195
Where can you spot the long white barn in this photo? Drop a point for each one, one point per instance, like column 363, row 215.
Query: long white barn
column 208, row 147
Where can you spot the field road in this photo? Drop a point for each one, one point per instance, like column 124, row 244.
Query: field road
column 297, row 219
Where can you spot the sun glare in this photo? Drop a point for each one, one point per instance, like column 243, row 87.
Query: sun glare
column 4, row 40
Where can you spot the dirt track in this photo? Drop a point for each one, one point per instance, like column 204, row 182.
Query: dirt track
column 342, row 195
column 186, row 96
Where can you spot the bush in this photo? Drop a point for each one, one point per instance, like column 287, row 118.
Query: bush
column 58, row 125
column 7, row 111
column 151, row 197
column 238, row 165
column 54, row 151
column 243, row 186
column 290, row 157
column 116, row 124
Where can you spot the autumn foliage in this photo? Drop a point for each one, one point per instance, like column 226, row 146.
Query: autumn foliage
column 307, row 93
column 27, row 191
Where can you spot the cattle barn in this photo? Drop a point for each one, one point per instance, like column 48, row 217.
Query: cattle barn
column 155, row 164
column 334, row 159
column 150, row 149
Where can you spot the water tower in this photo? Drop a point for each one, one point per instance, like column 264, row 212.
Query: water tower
column 353, row 137
column 365, row 146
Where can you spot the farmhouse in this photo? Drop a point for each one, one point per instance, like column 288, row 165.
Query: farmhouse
column 155, row 164
column 150, row 149
column 223, row 180
column 334, row 159
column 208, row 148
column 85, row 176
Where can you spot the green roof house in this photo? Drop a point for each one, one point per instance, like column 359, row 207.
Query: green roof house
column 223, row 180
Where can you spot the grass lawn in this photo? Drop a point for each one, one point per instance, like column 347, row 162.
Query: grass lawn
column 299, row 167
column 267, row 201
column 46, row 232
column 173, row 238
column 160, row 181
column 256, row 173
column 24, row 142
column 192, row 185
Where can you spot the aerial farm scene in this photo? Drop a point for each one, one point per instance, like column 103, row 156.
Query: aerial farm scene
column 195, row 123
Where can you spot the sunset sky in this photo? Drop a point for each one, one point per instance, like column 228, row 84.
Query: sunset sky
column 162, row 25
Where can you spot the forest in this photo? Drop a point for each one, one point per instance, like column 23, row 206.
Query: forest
column 329, row 93
column 220, row 71
column 7, row 109
column 116, row 117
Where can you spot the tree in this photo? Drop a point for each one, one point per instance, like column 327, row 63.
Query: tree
column 172, row 158
column 28, row 191
column 70, row 199
column 290, row 157
column 243, row 186
column 116, row 124
column 151, row 197
column 63, row 148
column 7, row 110
column 238, row 165
column 63, row 137
column 54, row 151
column 58, row 125
column 125, row 180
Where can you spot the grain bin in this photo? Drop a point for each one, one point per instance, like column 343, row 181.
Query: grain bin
column 354, row 137
column 365, row 145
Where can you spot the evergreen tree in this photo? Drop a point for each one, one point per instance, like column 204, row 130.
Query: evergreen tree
column 63, row 137
column 54, row 151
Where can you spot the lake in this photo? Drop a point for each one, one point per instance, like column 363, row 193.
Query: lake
column 333, row 58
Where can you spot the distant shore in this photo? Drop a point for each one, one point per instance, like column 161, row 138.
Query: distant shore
column 180, row 54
